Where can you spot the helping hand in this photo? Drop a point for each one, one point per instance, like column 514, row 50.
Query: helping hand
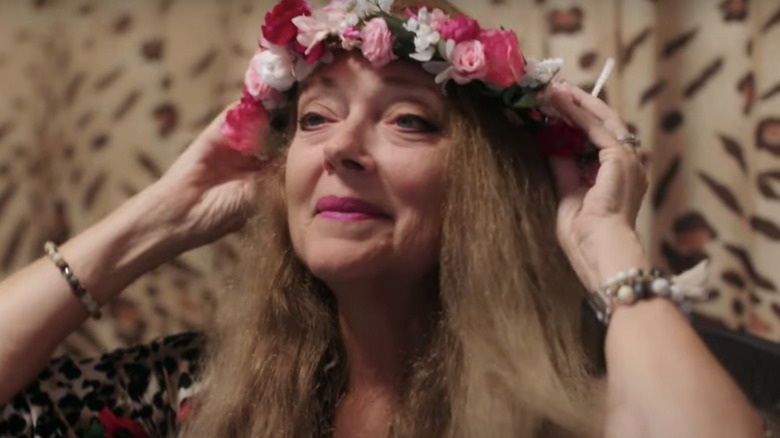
column 595, row 223
column 209, row 191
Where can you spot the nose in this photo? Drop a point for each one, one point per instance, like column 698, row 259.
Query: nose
column 346, row 150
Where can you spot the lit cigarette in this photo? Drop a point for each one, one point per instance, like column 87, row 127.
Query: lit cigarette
column 605, row 72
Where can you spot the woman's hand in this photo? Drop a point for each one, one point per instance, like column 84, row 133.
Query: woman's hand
column 662, row 380
column 208, row 192
column 596, row 218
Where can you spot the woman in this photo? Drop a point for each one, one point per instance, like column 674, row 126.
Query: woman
column 412, row 265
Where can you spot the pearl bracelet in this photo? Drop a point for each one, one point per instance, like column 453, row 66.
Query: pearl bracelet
column 633, row 285
column 75, row 285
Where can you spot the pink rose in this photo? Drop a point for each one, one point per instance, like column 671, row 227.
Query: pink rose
column 505, row 62
column 377, row 44
column 468, row 60
column 245, row 126
column 460, row 28
column 279, row 28
column 438, row 19
column 259, row 89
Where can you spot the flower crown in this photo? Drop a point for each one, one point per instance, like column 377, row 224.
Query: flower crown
column 296, row 39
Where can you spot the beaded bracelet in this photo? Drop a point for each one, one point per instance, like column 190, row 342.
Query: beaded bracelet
column 628, row 287
column 75, row 285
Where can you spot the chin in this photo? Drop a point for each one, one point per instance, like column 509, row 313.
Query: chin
column 336, row 262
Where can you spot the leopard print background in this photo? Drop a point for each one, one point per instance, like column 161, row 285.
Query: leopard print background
column 97, row 98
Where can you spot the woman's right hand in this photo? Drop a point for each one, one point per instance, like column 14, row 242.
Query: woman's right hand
column 208, row 192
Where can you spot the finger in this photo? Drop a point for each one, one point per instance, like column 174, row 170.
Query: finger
column 609, row 118
column 599, row 135
column 596, row 106
column 213, row 130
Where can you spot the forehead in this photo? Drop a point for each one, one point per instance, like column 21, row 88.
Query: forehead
column 349, row 67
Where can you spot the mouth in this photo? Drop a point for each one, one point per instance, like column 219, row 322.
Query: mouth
column 348, row 209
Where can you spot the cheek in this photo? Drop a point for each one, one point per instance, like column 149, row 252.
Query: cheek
column 302, row 169
column 419, row 191
column 418, row 180
column 301, row 173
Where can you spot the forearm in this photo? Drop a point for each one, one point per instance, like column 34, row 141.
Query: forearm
column 38, row 309
column 662, row 380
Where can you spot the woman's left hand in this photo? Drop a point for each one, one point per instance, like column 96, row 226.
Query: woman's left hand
column 596, row 218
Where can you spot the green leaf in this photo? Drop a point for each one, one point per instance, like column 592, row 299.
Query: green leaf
column 404, row 39
column 528, row 100
column 95, row 430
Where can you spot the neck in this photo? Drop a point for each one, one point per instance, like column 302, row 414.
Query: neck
column 383, row 329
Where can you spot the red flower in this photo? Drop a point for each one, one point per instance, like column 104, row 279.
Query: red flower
column 558, row 138
column 460, row 29
column 184, row 412
column 279, row 28
column 117, row 427
column 502, row 53
column 314, row 55
column 246, row 124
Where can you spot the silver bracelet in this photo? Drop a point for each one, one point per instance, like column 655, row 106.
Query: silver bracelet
column 628, row 287
column 75, row 285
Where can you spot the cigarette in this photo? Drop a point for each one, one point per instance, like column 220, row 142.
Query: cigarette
column 605, row 72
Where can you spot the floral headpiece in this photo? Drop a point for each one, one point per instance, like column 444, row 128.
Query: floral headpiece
column 296, row 39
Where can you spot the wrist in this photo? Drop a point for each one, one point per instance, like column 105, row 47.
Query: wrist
column 610, row 251
column 113, row 252
column 142, row 234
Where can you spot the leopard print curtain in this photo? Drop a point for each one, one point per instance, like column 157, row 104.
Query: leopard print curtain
column 97, row 98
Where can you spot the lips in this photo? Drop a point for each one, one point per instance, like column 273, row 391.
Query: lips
column 337, row 208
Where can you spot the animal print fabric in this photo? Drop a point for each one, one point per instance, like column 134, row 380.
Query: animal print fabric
column 147, row 390
column 97, row 99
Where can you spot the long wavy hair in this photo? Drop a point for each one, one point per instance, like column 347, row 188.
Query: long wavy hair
column 504, row 356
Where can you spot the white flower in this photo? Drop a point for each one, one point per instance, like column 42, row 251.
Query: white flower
column 317, row 27
column 362, row 8
column 540, row 72
column 350, row 19
column 426, row 39
column 275, row 67
column 310, row 31
column 338, row 6
column 442, row 70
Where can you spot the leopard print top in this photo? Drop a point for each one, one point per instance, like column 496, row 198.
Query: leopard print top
column 149, row 385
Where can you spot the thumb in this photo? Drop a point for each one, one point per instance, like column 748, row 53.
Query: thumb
column 213, row 132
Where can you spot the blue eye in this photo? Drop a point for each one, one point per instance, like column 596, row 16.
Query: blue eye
column 412, row 122
column 310, row 120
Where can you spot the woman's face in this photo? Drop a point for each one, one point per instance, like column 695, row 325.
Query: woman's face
column 365, row 170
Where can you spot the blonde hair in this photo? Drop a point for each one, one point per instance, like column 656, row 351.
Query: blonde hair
column 505, row 354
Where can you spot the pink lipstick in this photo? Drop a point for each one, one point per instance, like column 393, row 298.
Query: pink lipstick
column 348, row 209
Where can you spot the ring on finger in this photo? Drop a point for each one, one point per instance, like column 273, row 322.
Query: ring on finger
column 630, row 140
